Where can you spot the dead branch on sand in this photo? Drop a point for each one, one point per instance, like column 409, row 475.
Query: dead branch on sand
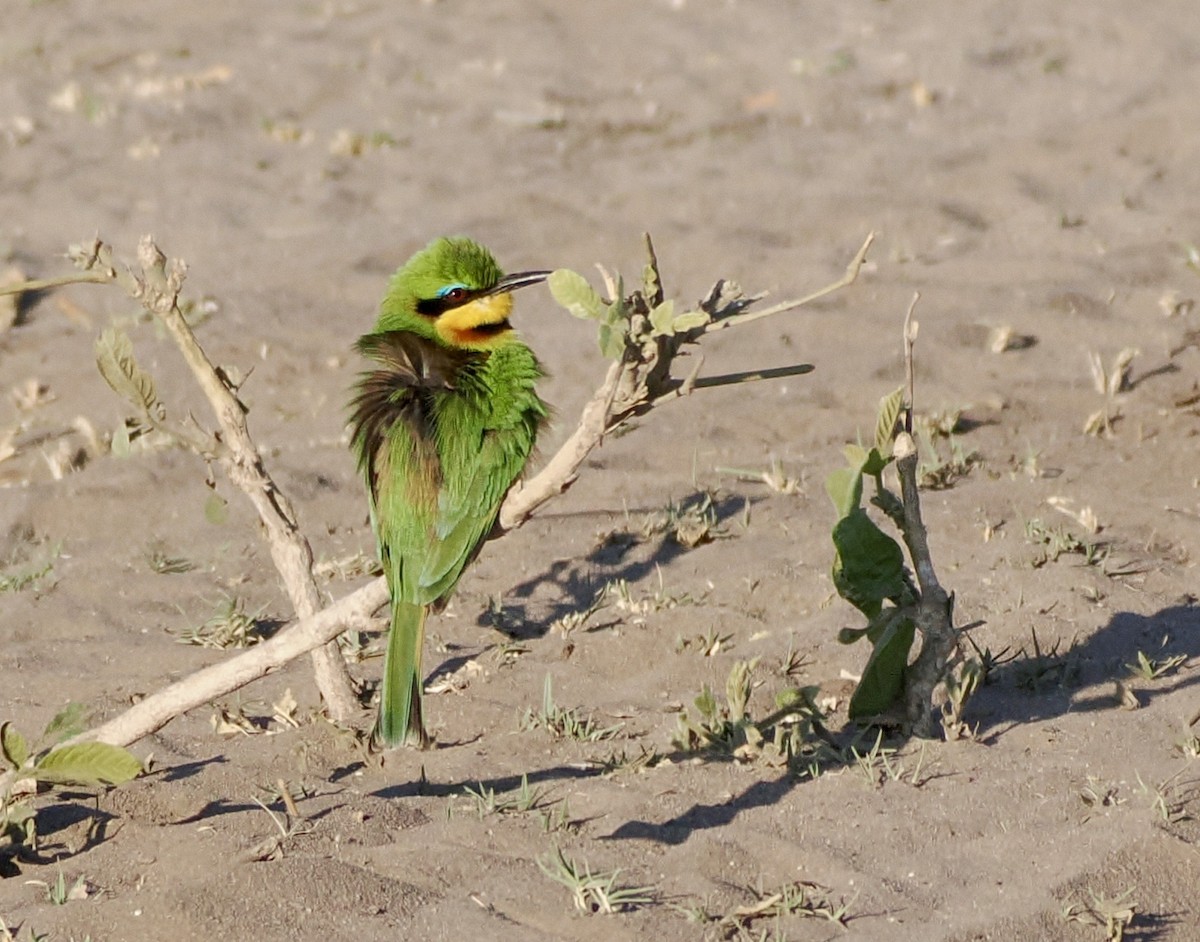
column 644, row 338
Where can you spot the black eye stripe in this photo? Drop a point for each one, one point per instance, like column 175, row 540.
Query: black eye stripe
column 436, row 307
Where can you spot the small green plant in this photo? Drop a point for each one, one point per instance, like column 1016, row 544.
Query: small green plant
column 961, row 684
column 774, row 477
column 229, row 626
column 1149, row 669
column 869, row 570
column 486, row 801
column 1170, row 799
column 48, row 763
column 792, row 730
column 797, row 898
column 1112, row 914
column 565, row 723
column 936, row 471
column 163, row 563
column 709, row 644
column 1053, row 542
column 622, row 596
column 878, row 765
column 690, row 523
column 572, row 621
column 623, row 761
column 59, row 893
column 593, row 893
column 793, row 662
column 20, row 575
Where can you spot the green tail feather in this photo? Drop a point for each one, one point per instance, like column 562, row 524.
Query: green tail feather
column 400, row 720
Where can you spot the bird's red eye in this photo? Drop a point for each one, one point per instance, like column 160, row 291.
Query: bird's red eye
column 455, row 294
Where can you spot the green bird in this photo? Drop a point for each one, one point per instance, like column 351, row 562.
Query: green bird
column 442, row 425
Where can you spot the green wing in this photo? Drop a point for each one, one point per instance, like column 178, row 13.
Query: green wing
column 473, row 488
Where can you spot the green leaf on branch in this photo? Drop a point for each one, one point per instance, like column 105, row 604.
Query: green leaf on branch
column 88, row 763
column 689, row 320
column 114, row 357
column 571, row 290
column 885, row 424
column 662, row 319
column 883, row 678
column 869, row 565
column 856, row 456
column 844, row 487
column 68, row 722
column 14, row 746
column 875, row 463
column 612, row 341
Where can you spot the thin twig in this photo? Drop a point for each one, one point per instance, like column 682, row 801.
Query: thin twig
column 45, row 284
column 910, row 338
column 847, row 279
column 935, row 609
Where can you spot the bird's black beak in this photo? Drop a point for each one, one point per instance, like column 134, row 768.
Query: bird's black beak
column 520, row 279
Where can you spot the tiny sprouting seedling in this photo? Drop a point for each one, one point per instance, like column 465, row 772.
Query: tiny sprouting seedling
column 798, row 898
column 1112, row 914
column 1053, row 542
column 486, row 801
column 793, row 730
column 695, row 911
column 58, row 893
column 357, row 647
column 557, row 817
column 775, row 478
column 505, row 653
column 1040, row 669
column 936, row 471
column 1188, row 742
column 617, row 762
column 989, row 660
column 709, row 644
column 1170, row 798
column 1100, row 794
column 690, row 523
column 793, row 662
column 565, row 723
column 234, row 721
column 36, row 574
column 162, row 562
column 593, row 893
column 1150, row 669
column 622, row 597
column 878, row 765
column 572, row 621
column 229, row 626
column 1109, row 383
column 961, row 684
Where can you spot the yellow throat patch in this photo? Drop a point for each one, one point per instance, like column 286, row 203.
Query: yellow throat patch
column 475, row 324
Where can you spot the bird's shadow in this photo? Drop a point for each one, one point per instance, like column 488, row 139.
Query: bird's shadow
column 573, row 584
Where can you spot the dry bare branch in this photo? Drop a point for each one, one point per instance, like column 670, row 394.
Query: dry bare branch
column 157, row 288
column 634, row 384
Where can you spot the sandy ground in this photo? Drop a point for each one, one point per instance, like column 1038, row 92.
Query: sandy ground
column 1031, row 168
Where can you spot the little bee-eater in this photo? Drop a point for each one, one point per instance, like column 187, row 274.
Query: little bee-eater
column 442, row 425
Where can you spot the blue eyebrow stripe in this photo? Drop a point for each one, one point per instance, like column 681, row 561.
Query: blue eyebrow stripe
column 446, row 290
